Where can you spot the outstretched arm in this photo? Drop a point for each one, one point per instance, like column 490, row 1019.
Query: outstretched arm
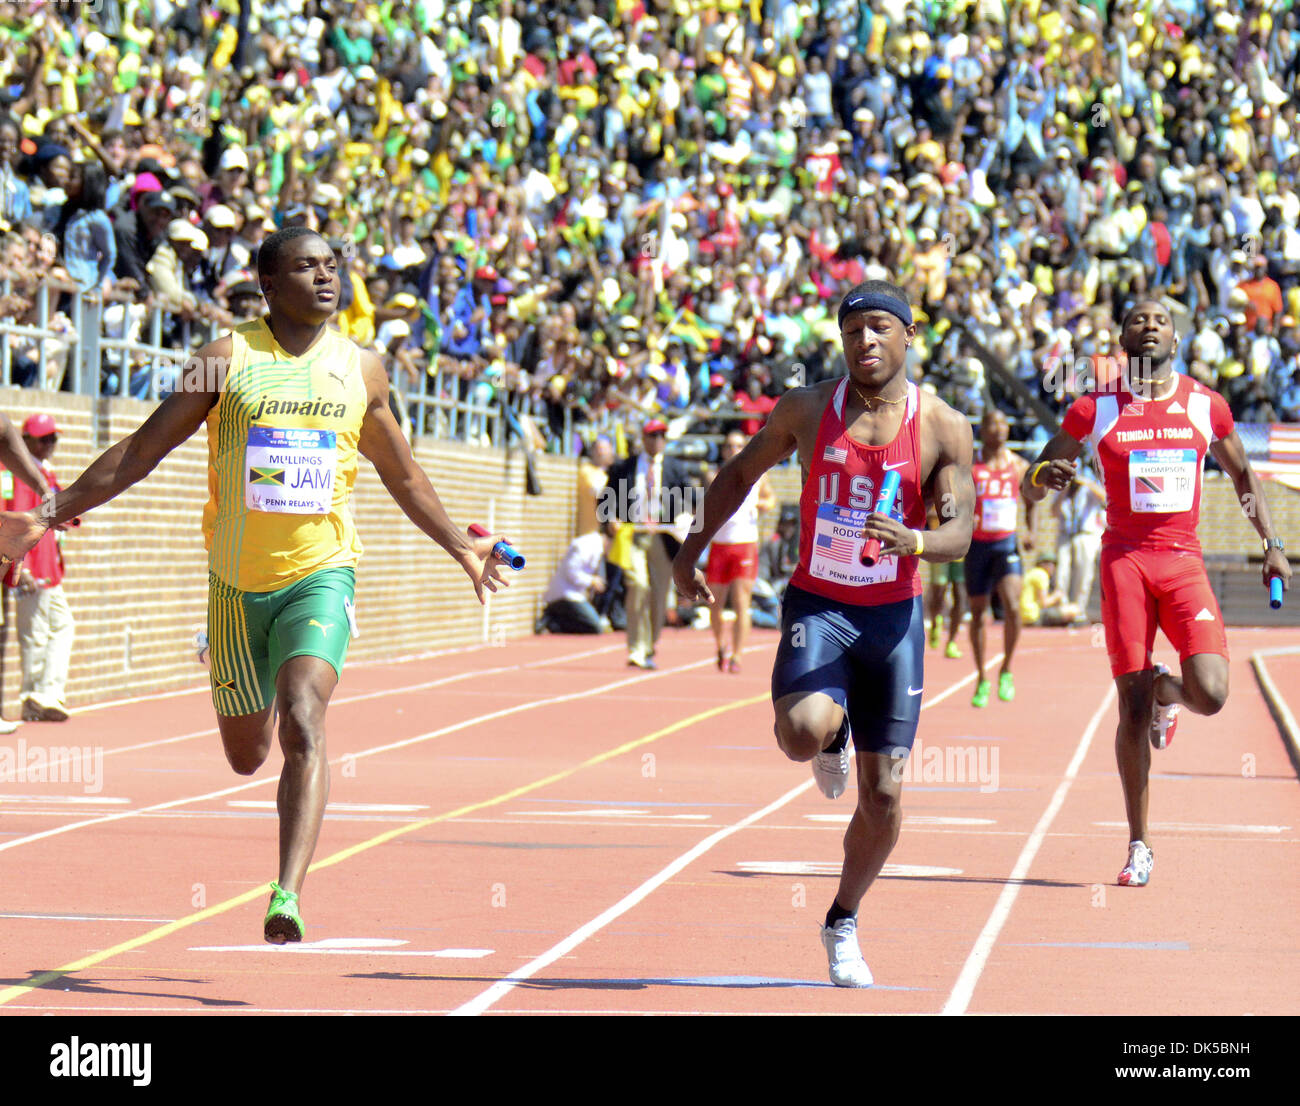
column 131, row 459
column 1231, row 456
column 385, row 447
column 774, row 442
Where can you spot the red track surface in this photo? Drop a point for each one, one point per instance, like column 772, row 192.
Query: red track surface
column 688, row 873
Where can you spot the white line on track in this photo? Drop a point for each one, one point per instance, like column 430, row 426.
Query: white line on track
column 363, row 697
column 964, row 990
column 492, row 716
column 158, row 695
column 488, row 998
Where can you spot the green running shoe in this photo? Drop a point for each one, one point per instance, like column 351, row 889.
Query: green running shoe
column 952, row 652
column 1006, row 687
column 283, row 922
column 982, row 694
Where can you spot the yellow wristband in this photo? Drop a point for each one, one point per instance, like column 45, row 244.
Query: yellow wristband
column 920, row 542
column 1033, row 476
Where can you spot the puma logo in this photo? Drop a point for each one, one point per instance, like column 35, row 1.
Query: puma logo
column 323, row 627
column 342, row 380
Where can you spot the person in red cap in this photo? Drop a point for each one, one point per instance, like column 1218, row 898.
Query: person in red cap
column 646, row 492
column 45, row 624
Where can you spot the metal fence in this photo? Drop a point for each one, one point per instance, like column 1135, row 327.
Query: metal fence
column 86, row 345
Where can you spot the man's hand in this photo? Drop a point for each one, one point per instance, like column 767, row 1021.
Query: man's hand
column 1054, row 474
column 19, row 532
column 896, row 539
column 1276, row 564
column 482, row 567
column 690, row 581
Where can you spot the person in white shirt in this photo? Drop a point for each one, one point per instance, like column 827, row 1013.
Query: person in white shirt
column 733, row 562
column 579, row 576
column 1081, row 518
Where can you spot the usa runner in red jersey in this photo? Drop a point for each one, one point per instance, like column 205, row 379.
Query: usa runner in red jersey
column 1151, row 436
column 852, row 645
column 994, row 557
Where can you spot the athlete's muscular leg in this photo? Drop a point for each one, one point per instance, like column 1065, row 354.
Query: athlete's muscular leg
column 1203, row 688
column 1009, row 590
column 806, row 723
column 873, row 829
column 246, row 739
column 978, row 605
column 1133, row 747
column 303, row 689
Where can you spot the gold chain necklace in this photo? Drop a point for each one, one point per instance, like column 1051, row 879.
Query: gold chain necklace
column 867, row 401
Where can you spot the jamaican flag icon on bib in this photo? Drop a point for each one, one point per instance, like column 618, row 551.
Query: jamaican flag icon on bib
column 266, row 476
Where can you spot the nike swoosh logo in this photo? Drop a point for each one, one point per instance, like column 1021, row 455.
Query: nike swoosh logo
column 914, row 691
column 895, row 465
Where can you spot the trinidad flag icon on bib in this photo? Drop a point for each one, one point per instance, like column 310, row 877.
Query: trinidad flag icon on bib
column 1151, row 483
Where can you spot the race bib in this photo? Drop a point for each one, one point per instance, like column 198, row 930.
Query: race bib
column 289, row 471
column 837, row 544
column 1162, row 481
column 998, row 515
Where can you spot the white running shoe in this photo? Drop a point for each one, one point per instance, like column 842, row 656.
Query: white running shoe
column 1164, row 716
column 830, row 767
column 1137, row 871
column 7, row 727
column 848, row 968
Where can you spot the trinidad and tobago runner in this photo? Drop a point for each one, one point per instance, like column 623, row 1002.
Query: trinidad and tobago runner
column 852, row 636
column 1151, row 433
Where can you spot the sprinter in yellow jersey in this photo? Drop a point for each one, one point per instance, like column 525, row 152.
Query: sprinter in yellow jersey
column 288, row 403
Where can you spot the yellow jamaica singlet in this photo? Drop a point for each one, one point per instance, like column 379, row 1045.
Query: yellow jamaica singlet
column 282, row 459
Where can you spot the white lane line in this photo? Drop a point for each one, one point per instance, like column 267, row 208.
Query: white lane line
column 377, row 662
column 488, row 998
column 1198, row 827
column 77, row 800
column 351, row 808
column 503, row 987
column 351, row 946
column 363, row 697
column 959, row 1000
column 492, row 716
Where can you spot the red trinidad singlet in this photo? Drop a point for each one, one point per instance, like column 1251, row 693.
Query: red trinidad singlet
column 996, row 497
column 1151, row 454
column 840, row 492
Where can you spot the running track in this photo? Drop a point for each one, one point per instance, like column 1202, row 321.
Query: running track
column 538, row 829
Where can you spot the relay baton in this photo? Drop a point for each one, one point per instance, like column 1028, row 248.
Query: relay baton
column 884, row 504
column 503, row 550
column 1275, row 592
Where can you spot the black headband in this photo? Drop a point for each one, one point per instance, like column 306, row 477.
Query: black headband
column 875, row 301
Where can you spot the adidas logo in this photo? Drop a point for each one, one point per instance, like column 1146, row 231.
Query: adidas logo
column 1175, row 408
column 1204, row 616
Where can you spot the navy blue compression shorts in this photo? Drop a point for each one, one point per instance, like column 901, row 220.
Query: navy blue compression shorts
column 987, row 562
column 870, row 660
